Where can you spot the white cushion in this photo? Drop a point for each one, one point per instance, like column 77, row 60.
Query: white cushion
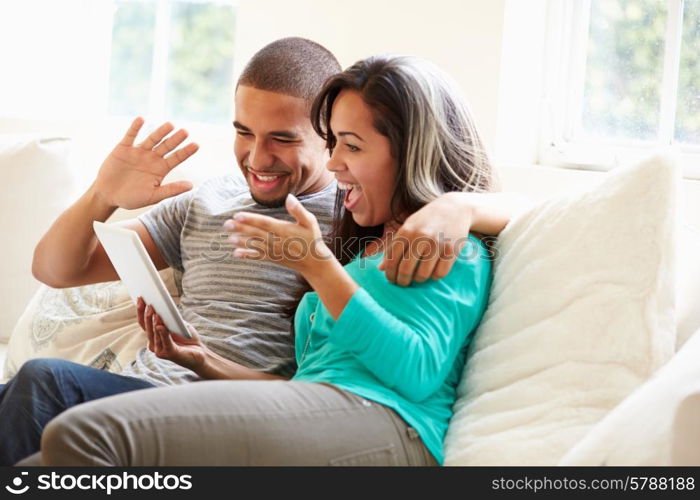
column 37, row 186
column 685, row 447
column 581, row 313
column 688, row 286
column 640, row 430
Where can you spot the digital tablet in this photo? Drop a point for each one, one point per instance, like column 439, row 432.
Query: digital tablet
column 140, row 276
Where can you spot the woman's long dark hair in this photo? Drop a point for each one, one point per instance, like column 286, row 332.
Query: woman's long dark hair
column 430, row 129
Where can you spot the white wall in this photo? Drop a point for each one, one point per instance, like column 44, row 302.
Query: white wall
column 54, row 56
column 462, row 36
column 521, row 82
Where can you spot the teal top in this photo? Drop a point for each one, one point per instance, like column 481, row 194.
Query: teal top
column 403, row 347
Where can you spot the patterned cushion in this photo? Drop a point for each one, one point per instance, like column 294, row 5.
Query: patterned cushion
column 94, row 325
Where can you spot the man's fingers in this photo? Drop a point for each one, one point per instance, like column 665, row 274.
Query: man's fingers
column 393, row 256
column 174, row 159
column 156, row 136
column 426, row 267
column 170, row 143
column 406, row 268
column 134, row 128
column 444, row 266
column 417, row 251
column 448, row 256
column 172, row 189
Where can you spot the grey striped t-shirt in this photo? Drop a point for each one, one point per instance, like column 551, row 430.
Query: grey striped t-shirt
column 236, row 305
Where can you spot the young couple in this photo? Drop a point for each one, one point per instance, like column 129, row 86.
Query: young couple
column 368, row 373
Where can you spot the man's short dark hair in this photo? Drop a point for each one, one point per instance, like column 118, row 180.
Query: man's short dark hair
column 293, row 66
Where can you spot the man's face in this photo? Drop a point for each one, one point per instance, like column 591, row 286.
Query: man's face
column 276, row 147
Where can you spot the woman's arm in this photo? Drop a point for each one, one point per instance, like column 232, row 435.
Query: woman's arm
column 192, row 353
column 411, row 338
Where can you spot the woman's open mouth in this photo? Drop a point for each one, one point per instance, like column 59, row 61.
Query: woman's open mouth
column 353, row 194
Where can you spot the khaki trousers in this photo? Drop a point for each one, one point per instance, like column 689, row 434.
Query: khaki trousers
column 232, row 423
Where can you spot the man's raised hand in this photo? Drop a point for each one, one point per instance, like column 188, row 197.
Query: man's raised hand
column 132, row 175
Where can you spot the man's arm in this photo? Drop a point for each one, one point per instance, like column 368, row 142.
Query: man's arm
column 427, row 244
column 70, row 254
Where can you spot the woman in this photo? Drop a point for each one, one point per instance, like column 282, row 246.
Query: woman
column 378, row 364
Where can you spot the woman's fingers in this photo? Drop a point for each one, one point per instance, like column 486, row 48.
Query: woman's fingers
column 166, row 339
column 249, row 243
column 140, row 312
column 253, row 242
column 299, row 212
column 148, row 326
column 241, row 229
column 157, row 339
column 248, row 254
column 246, row 221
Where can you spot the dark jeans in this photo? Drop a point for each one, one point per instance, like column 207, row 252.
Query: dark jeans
column 42, row 389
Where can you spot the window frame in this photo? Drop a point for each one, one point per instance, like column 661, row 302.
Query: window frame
column 565, row 63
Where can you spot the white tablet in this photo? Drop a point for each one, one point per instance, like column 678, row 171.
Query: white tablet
column 140, row 276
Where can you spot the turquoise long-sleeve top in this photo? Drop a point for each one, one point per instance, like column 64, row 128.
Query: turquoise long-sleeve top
column 402, row 347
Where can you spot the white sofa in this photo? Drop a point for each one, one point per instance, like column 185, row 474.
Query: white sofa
column 47, row 182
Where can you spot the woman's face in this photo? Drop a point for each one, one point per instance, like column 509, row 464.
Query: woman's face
column 361, row 160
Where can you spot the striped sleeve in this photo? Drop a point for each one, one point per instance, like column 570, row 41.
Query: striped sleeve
column 164, row 223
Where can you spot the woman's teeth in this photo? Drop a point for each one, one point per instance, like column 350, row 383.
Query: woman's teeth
column 347, row 186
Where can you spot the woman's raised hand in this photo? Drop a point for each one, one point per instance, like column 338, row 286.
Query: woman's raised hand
column 296, row 245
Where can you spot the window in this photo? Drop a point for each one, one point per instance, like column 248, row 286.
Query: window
column 624, row 79
column 172, row 59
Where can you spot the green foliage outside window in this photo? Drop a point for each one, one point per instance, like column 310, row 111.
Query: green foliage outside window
column 131, row 59
column 199, row 66
column 624, row 70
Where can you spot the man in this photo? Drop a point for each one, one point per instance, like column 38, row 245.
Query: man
column 237, row 305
